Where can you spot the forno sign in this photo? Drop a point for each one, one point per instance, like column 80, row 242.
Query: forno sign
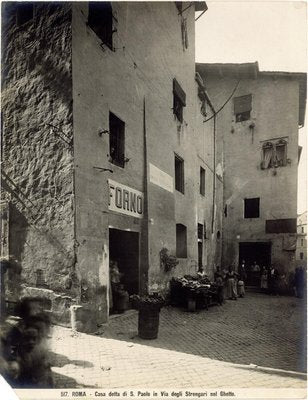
column 125, row 200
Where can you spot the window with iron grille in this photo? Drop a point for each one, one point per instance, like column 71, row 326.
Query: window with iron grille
column 202, row 181
column 181, row 241
column 100, row 20
column 242, row 108
column 179, row 100
column 116, row 140
column 24, row 12
column 252, row 208
column 179, row 173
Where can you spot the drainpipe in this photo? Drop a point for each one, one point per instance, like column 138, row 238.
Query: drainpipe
column 144, row 242
column 214, row 172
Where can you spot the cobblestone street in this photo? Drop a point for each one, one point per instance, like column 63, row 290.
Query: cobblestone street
column 215, row 348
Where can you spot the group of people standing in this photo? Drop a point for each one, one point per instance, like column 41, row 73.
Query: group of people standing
column 230, row 284
column 265, row 276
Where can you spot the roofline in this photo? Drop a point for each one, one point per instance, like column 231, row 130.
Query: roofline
column 251, row 70
column 200, row 6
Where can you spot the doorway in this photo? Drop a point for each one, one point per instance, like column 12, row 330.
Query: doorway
column 124, row 249
column 254, row 251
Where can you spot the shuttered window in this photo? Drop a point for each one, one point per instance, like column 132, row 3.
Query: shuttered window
column 179, row 173
column 116, row 140
column 181, row 241
column 242, row 107
column 202, row 181
column 179, row 100
column 100, row 20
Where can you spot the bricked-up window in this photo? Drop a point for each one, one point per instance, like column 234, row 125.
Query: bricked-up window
column 286, row 225
column 116, row 140
column 202, row 181
column 24, row 12
column 252, row 208
column 242, row 108
column 179, row 173
column 179, row 100
column 100, row 20
column 181, row 241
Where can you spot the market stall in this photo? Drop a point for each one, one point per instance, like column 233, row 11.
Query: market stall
column 193, row 293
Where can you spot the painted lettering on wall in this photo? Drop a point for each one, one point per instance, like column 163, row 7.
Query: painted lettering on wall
column 161, row 178
column 125, row 200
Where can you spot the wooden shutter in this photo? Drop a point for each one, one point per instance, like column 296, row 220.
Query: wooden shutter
column 242, row 104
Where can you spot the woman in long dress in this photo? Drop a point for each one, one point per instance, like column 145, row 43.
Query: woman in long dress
column 264, row 277
column 231, row 284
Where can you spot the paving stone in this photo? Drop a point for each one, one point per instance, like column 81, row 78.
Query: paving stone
column 214, row 347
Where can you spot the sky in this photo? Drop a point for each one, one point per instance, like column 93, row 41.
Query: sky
column 274, row 33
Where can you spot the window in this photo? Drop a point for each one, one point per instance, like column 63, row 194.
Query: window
column 179, row 100
column 200, row 244
column 242, row 108
column 301, row 255
column 24, row 13
column 116, row 140
column 200, row 232
column 202, row 181
column 100, row 20
column 280, row 154
column 268, row 155
column 179, row 173
column 181, row 241
column 302, row 242
column 218, row 235
column 274, row 154
column 303, row 230
column 252, row 208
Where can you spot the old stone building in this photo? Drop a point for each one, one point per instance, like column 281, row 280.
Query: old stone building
column 105, row 153
column 258, row 118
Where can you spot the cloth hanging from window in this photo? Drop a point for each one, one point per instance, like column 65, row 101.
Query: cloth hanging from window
column 184, row 33
column 281, row 153
column 268, row 153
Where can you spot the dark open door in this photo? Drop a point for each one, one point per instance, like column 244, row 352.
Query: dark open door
column 124, row 248
column 254, row 251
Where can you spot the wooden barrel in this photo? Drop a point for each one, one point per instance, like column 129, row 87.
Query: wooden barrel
column 191, row 304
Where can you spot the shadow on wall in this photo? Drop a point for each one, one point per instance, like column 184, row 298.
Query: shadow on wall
column 18, row 232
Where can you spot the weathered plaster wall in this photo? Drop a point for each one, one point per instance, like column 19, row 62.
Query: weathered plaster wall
column 148, row 55
column 37, row 169
column 210, row 206
column 274, row 113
